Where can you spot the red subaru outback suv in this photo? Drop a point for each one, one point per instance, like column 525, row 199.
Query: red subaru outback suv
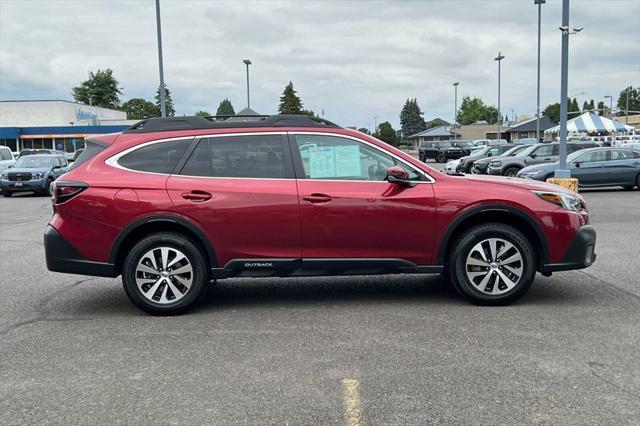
column 172, row 204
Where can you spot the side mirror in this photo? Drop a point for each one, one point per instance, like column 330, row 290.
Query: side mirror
column 489, row 154
column 533, row 155
column 10, row 167
column 399, row 176
column 57, row 167
column 577, row 164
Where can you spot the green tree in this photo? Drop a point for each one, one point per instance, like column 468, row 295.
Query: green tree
column 225, row 108
column 553, row 112
column 290, row 103
column 592, row 106
column 168, row 102
column 585, row 106
column 411, row 120
column 202, row 113
column 474, row 109
column 138, row 108
column 573, row 109
column 386, row 133
column 308, row 112
column 100, row 89
column 603, row 109
column 634, row 100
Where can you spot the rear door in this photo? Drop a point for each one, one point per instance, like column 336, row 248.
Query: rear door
column 623, row 167
column 241, row 190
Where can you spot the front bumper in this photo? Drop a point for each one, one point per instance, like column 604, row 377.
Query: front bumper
column 26, row 185
column 580, row 254
column 63, row 257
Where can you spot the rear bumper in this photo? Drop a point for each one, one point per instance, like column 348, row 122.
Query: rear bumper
column 580, row 254
column 63, row 257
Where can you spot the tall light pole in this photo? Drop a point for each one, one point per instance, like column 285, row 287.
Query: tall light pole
column 563, row 172
column 610, row 105
column 626, row 108
column 455, row 108
column 247, row 63
column 163, row 109
column 539, row 3
column 499, row 58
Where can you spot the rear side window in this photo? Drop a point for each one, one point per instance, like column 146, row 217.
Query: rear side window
column 92, row 148
column 250, row 156
column 160, row 157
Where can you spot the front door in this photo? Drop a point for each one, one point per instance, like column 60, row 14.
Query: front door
column 590, row 169
column 349, row 210
column 241, row 190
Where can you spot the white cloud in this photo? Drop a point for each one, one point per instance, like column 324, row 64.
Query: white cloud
column 355, row 60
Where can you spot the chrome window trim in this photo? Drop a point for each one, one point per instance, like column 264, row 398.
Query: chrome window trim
column 113, row 160
column 339, row 135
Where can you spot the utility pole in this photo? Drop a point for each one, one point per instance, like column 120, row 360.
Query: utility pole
column 247, row 62
column 163, row 109
column 539, row 3
column 455, row 108
column 499, row 58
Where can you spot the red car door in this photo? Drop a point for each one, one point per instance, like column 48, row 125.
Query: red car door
column 241, row 190
column 349, row 210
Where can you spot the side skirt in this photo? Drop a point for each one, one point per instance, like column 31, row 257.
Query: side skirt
column 320, row 267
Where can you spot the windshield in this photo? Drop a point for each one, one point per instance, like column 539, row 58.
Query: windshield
column 477, row 152
column 574, row 155
column 447, row 144
column 513, row 151
column 526, row 151
column 464, row 143
column 32, row 162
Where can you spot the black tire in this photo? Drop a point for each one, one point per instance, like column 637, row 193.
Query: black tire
column 628, row 187
column 47, row 189
column 457, row 265
column 511, row 172
column 200, row 276
column 638, row 181
column 442, row 158
column 7, row 194
column 422, row 158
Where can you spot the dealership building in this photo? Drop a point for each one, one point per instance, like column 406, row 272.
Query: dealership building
column 55, row 124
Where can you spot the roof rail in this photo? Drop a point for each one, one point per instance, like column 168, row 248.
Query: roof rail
column 227, row 122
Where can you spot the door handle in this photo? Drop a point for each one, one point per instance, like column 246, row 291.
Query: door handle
column 317, row 198
column 197, row 196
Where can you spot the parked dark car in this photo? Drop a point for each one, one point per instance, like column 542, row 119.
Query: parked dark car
column 441, row 151
column 479, row 167
column 465, row 145
column 29, row 151
column 464, row 166
column 594, row 167
column 32, row 173
column 534, row 154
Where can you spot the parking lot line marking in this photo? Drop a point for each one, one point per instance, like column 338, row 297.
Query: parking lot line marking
column 351, row 390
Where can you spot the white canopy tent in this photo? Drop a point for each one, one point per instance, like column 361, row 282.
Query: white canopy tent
column 592, row 123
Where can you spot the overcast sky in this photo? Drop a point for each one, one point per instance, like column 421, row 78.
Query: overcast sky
column 354, row 60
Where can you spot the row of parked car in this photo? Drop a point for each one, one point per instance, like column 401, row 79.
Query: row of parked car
column 591, row 164
column 34, row 170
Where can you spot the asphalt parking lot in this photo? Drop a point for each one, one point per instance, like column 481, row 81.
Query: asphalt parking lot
column 359, row 350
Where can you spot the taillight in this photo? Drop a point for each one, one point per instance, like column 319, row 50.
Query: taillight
column 64, row 191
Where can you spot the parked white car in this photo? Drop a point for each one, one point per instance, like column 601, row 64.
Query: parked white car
column 6, row 158
column 451, row 166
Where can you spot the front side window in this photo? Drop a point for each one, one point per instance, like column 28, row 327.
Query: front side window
column 160, row 157
column 336, row 158
column 249, row 156
column 544, row 150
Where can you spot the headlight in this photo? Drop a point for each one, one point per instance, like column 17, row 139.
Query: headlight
column 37, row 175
column 566, row 201
column 496, row 163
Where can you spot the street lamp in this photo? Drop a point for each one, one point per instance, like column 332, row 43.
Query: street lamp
column 563, row 172
column 539, row 3
column 610, row 104
column 455, row 106
column 499, row 58
column 163, row 110
column 247, row 63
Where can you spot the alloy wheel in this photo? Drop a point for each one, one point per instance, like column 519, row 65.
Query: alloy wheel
column 164, row 275
column 494, row 266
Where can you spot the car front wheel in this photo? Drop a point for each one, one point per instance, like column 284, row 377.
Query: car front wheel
column 165, row 274
column 442, row 158
column 511, row 172
column 492, row 264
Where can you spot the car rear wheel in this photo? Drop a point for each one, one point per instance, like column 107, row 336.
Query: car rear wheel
column 492, row 264
column 165, row 274
column 511, row 172
column 441, row 157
